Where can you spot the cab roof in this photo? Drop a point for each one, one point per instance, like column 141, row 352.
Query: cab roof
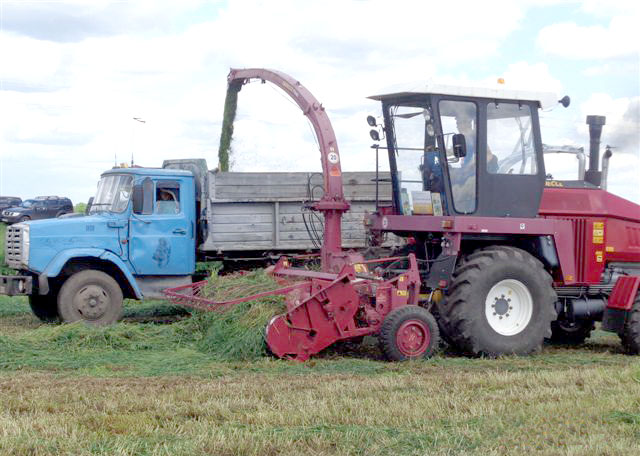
column 545, row 100
column 161, row 172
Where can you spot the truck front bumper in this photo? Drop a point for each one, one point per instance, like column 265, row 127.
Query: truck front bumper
column 16, row 285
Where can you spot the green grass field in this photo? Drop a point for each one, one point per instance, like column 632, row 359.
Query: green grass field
column 147, row 388
column 155, row 384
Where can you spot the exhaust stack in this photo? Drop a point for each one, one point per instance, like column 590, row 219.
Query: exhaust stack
column 593, row 175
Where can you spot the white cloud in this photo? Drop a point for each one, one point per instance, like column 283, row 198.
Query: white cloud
column 622, row 129
column 572, row 41
column 166, row 64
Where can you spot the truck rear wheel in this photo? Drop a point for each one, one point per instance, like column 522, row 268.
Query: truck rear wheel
column 501, row 301
column 90, row 296
column 44, row 307
column 409, row 332
column 631, row 333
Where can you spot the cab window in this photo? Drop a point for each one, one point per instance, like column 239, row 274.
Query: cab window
column 167, row 200
column 510, row 139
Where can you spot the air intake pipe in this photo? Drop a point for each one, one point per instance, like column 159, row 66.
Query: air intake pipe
column 593, row 175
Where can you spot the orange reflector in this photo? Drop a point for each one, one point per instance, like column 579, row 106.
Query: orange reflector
column 447, row 224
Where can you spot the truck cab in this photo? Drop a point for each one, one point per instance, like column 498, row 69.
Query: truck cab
column 138, row 238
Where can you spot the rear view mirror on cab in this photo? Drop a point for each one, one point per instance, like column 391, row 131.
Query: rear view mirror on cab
column 143, row 197
column 459, row 145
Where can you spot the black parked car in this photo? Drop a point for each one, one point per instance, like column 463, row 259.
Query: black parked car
column 9, row 201
column 41, row 207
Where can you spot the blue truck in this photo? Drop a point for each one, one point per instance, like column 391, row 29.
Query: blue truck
column 147, row 227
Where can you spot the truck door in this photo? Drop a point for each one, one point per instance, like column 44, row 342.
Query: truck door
column 163, row 242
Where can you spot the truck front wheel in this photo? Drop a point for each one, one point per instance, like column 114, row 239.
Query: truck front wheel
column 44, row 307
column 90, row 296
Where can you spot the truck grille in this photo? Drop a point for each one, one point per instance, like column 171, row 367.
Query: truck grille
column 13, row 246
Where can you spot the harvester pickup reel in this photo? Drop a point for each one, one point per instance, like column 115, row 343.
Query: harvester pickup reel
column 324, row 308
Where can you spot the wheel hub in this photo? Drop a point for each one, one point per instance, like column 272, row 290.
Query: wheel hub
column 92, row 302
column 509, row 307
column 413, row 338
column 502, row 306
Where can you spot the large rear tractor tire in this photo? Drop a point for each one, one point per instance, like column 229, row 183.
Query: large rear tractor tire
column 409, row 332
column 631, row 333
column 90, row 296
column 501, row 302
column 565, row 332
column 44, row 307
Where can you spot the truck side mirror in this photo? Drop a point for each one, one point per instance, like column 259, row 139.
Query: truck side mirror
column 142, row 197
column 459, row 145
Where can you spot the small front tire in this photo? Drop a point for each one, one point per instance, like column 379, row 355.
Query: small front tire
column 409, row 332
column 90, row 296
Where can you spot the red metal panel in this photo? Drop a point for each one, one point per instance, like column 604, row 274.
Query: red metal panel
column 606, row 227
column 624, row 293
column 560, row 230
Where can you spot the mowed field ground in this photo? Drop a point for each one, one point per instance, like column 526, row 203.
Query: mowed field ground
column 150, row 386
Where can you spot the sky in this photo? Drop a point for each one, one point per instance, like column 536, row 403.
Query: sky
column 75, row 74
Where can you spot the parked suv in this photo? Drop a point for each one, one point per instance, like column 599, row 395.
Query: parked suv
column 9, row 201
column 41, row 207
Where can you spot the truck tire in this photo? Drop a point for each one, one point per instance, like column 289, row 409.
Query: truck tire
column 90, row 296
column 571, row 333
column 44, row 307
column 501, row 301
column 409, row 332
column 631, row 333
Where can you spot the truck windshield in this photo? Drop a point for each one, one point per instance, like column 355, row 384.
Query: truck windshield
column 113, row 194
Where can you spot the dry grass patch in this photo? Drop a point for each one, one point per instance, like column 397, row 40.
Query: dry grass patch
column 431, row 410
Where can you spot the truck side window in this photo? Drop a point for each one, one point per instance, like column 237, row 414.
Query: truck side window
column 167, row 198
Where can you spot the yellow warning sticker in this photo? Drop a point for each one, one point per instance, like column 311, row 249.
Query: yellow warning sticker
column 599, row 256
column 361, row 268
column 610, row 248
column 598, row 232
column 401, row 292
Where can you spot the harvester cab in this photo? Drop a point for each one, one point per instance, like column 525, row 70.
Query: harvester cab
column 456, row 151
column 507, row 256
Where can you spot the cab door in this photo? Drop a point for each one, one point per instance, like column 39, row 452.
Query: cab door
column 162, row 241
